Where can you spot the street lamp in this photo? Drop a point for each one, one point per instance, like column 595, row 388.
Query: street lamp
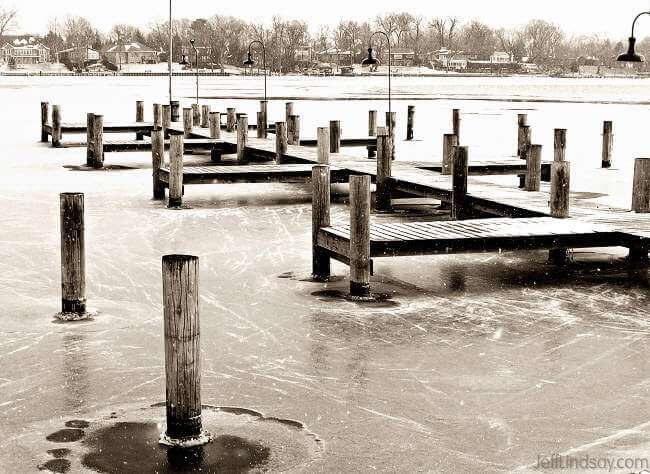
column 371, row 61
column 169, row 58
column 196, row 55
column 631, row 56
column 249, row 62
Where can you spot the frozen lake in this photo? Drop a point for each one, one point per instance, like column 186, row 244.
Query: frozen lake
column 478, row 363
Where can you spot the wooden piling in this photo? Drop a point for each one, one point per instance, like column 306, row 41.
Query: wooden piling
column 449, row 142
column 215, row 125
column 187, row 121
column 559, row 144
column 522, row 121
column 196, row 115
column 324, row 144
column 533, row 168
column 56, row 125
column 180, row 274
column 175, row 168
column 295, row 130
column 455, row 122
column 280, row 141
column 523, row 153
column 265, row 116
column 335, row 136
column 90, row 140
column 384, row 171
column 409, row 122
column 45, row 111
column 560, row 187
column 139, row 117
column 98, row 141
column 608, row 144
column 320, row 217
column 230, row 119
column 157, row 115
column 290, row 126
column 157, row 157
column 166, row 117
column 73, row 253
column 360, row 236
column 205, row 116
column 391, row 124
column 459, row 208
column 288, row 112
column 242, row 137
column 372, row 131
column 175, row 111
column 260, row 127
column 641, row 186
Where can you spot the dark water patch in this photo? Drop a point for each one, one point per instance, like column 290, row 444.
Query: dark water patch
column 104, row 168
column 59, row 452
column 129, row 447
column 67, row 435
column 55, row 465
column 77, row 424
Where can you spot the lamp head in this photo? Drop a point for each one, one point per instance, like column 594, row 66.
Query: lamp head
column 183, row 61
column 249, row 61
column 369, row 60
column 630, row 56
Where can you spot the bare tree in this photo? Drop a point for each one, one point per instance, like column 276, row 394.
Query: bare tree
column 477, row 38
column 512, row 41
column 8, row 18
column 542, row 40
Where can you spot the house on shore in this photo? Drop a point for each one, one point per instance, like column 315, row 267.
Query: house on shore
column 79, row 55
column 131, row 53
column 25, row 51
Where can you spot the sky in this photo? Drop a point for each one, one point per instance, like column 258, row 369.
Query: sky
column 579, row 17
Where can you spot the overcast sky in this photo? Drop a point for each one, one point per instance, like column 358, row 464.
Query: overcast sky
column 574, row 16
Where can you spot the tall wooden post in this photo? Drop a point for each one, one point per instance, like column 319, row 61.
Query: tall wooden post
column 523, row 153
column 175, row 111
column 372, row 131
column 608, row 144
column 166, row 117
column 157, row 115
column 242, row 137
column 534, row 168
column 180, row 274
column 335, row 136
column 360, row 236
column 265, row 116
column 295, row 130
column 230, row 119
column 455, row 122
column 559, row 144
column 459, row 208
column 175, row 169
column 205, row 116
column 560, row 184
column 384, row 171
column 98, row 141
column 260, row 127
column 409, row 122
column 324, row 144
column 391, row 124
column 280, row 141
column 196, row 115
column 157, row 157
column 187, row 121
column 320, row 217
column 56, row 125
column 139, row 116
column 449, row 142
column 522, row 121
column 45, row 111
column 73, row 253
column 215, row 125
column 288, row 112
column 90, row 139
column 641, row 186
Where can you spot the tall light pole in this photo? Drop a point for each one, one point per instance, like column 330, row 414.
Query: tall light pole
column 630, row 56
column 250, row 62
column 196, row 56
column 370, row 61
column 169, row 57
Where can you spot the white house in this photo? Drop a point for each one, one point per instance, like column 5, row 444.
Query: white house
column 501, row 57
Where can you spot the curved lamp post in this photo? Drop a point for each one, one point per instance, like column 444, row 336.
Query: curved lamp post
column 196, row 55
column 631, row 56
column 250, row 62
column 371, row 61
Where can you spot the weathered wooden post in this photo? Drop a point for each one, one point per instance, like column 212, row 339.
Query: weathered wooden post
column 608, row 144
column 522, row 121
column 175, row 168
column 335, row 136
column 73, row 254
column 290, row 126
column 324, row 144
column 175, row 111
column 384, row 171
column 295, row 136
column 409, row 122
column 45, row 112
column 559, row 144
column 372, row 131
column 139, row 117
column 205, row 116
column 560, row 187
column 455, row 122
column 187, row 121
column 641, row 186
column 180, row 274
column 533, row 168
column 196, row 115
column 98, row 141
column 320, row 217
column 391, row 124
column 157, row 115
column 360, row 237
column 157, row 157
column 525, row 146
column 166, row 117
column 56, row 125
column 230, row 119
column 288, row 112
column 215, row 125
column 449, row 142
column 459, row 208
column 260, row 132
column 264, row 119
column 90, row 138
column 280, row 141
column 242, row 137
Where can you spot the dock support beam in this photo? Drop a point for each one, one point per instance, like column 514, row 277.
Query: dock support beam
column 449, row 142
column 166, row 117
column 230, row 119
column 45, row 111
column 205, row 116
column 560, row 187
column 372, row 130
column 288, row 112
column 187, row 121
column 410, row 118
column 157, row 115
column 98, row 141
column 534, row 168
column 260, row 127
column 214, row 121
column 242, row 137
column 559, row 144
column 384, row 171
column 90, row 140
column 280, row 141
column 522, row 121
column 455, row 122
column 459, row 208
column 175, row 169
column 139, row 117
column 360, row 237
column 196, row 115
column 640, row 204
column 73, row 254
column 320, row 217
column 157, row 158
column 294, row 137
column 323, row 140
column 523, row 151
column 175, row 110
column 608, row 144
column 56, row 126
column 335, row 136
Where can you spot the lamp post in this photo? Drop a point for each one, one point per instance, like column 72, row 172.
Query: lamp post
column 196, row 56
column 169, row 57
column 630, row 56
column 250, row 62
column 370, row 61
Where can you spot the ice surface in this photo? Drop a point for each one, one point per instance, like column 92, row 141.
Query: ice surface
column 480, row 363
